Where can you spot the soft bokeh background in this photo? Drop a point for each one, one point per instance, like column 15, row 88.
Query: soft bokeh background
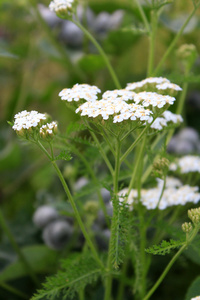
column 39, row 56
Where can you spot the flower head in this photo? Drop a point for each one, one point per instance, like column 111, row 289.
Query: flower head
column 25, row 121
column 153, row 99
column 166, row 118
column 80, row 91
column 186, row 164
column 62, row 7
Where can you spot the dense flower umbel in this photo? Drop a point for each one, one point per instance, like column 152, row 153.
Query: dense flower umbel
column 186, row 164
column 62, row 7
column 174, row 194
column 119, row 109
column 123, row 104
column 166, row 118
column 80, row 91
column 25, row 121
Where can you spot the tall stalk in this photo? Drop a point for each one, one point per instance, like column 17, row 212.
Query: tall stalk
column 71, row 200
column 108, row 283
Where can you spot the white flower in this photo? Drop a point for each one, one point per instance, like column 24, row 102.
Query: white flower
column 174, row 194
column 26, row 120
column 48, row 129
column 159, row 123
column 58, row 6
column 168, row 85
column 80, row 91
column 150, row 80
column 153, row 99
column 187, row 164
column 122, row 94
column 170, row 117
column 170, row 182
column 196, row 298
column 165, row 118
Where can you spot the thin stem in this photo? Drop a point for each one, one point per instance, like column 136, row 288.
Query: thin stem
column 101, row 51
column 144, row 18
column 71, row 200
column 137, row 165
column 17, row 249
column 152, row 42
column 13, row 290
column 128, row 151
column 173, row 43
column 170, row 264
column 102, row 153
column 108, row 284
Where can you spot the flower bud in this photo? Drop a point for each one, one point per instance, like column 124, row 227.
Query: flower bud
column 194, row 215
column 188, row 54
column 48, row 131
column 187, row 227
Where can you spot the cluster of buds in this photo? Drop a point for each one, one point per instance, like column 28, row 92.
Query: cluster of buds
column 160, row 167
column 194, row 215
column 187, row 227
column 49, row 130
column 188, row 54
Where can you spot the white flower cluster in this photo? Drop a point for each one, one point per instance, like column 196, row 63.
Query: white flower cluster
column 27, row 120
column 116, row 94
column 119, row 108
column 80, row 91
column 168, row 85
column 122, row 104
column 153, row 99
column 48, row 129
column 166, row 118
column 186, row 164
column 196, row 298
column 160, row 83
column 174, row 194
column 61, row 5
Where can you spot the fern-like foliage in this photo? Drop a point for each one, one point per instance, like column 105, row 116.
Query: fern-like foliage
column 64, row 155
column 120, row 229
column 165, row 247
column 75, row 274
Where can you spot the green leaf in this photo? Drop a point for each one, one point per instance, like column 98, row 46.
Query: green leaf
column 164, row 248
column 194, row 289
column 64, row 155
column 77, row 272
column 40, row 258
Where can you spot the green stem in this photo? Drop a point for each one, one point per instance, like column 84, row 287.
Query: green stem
column 108, row 283
column 102, row 153
column 128, row 151
column 144, row 18
column 170, row 264
column 13, row 290
column 173, row 43
column 17, row 249
column 71, row 200
column 152, row 42
column 137, row 165
column 101, row 51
